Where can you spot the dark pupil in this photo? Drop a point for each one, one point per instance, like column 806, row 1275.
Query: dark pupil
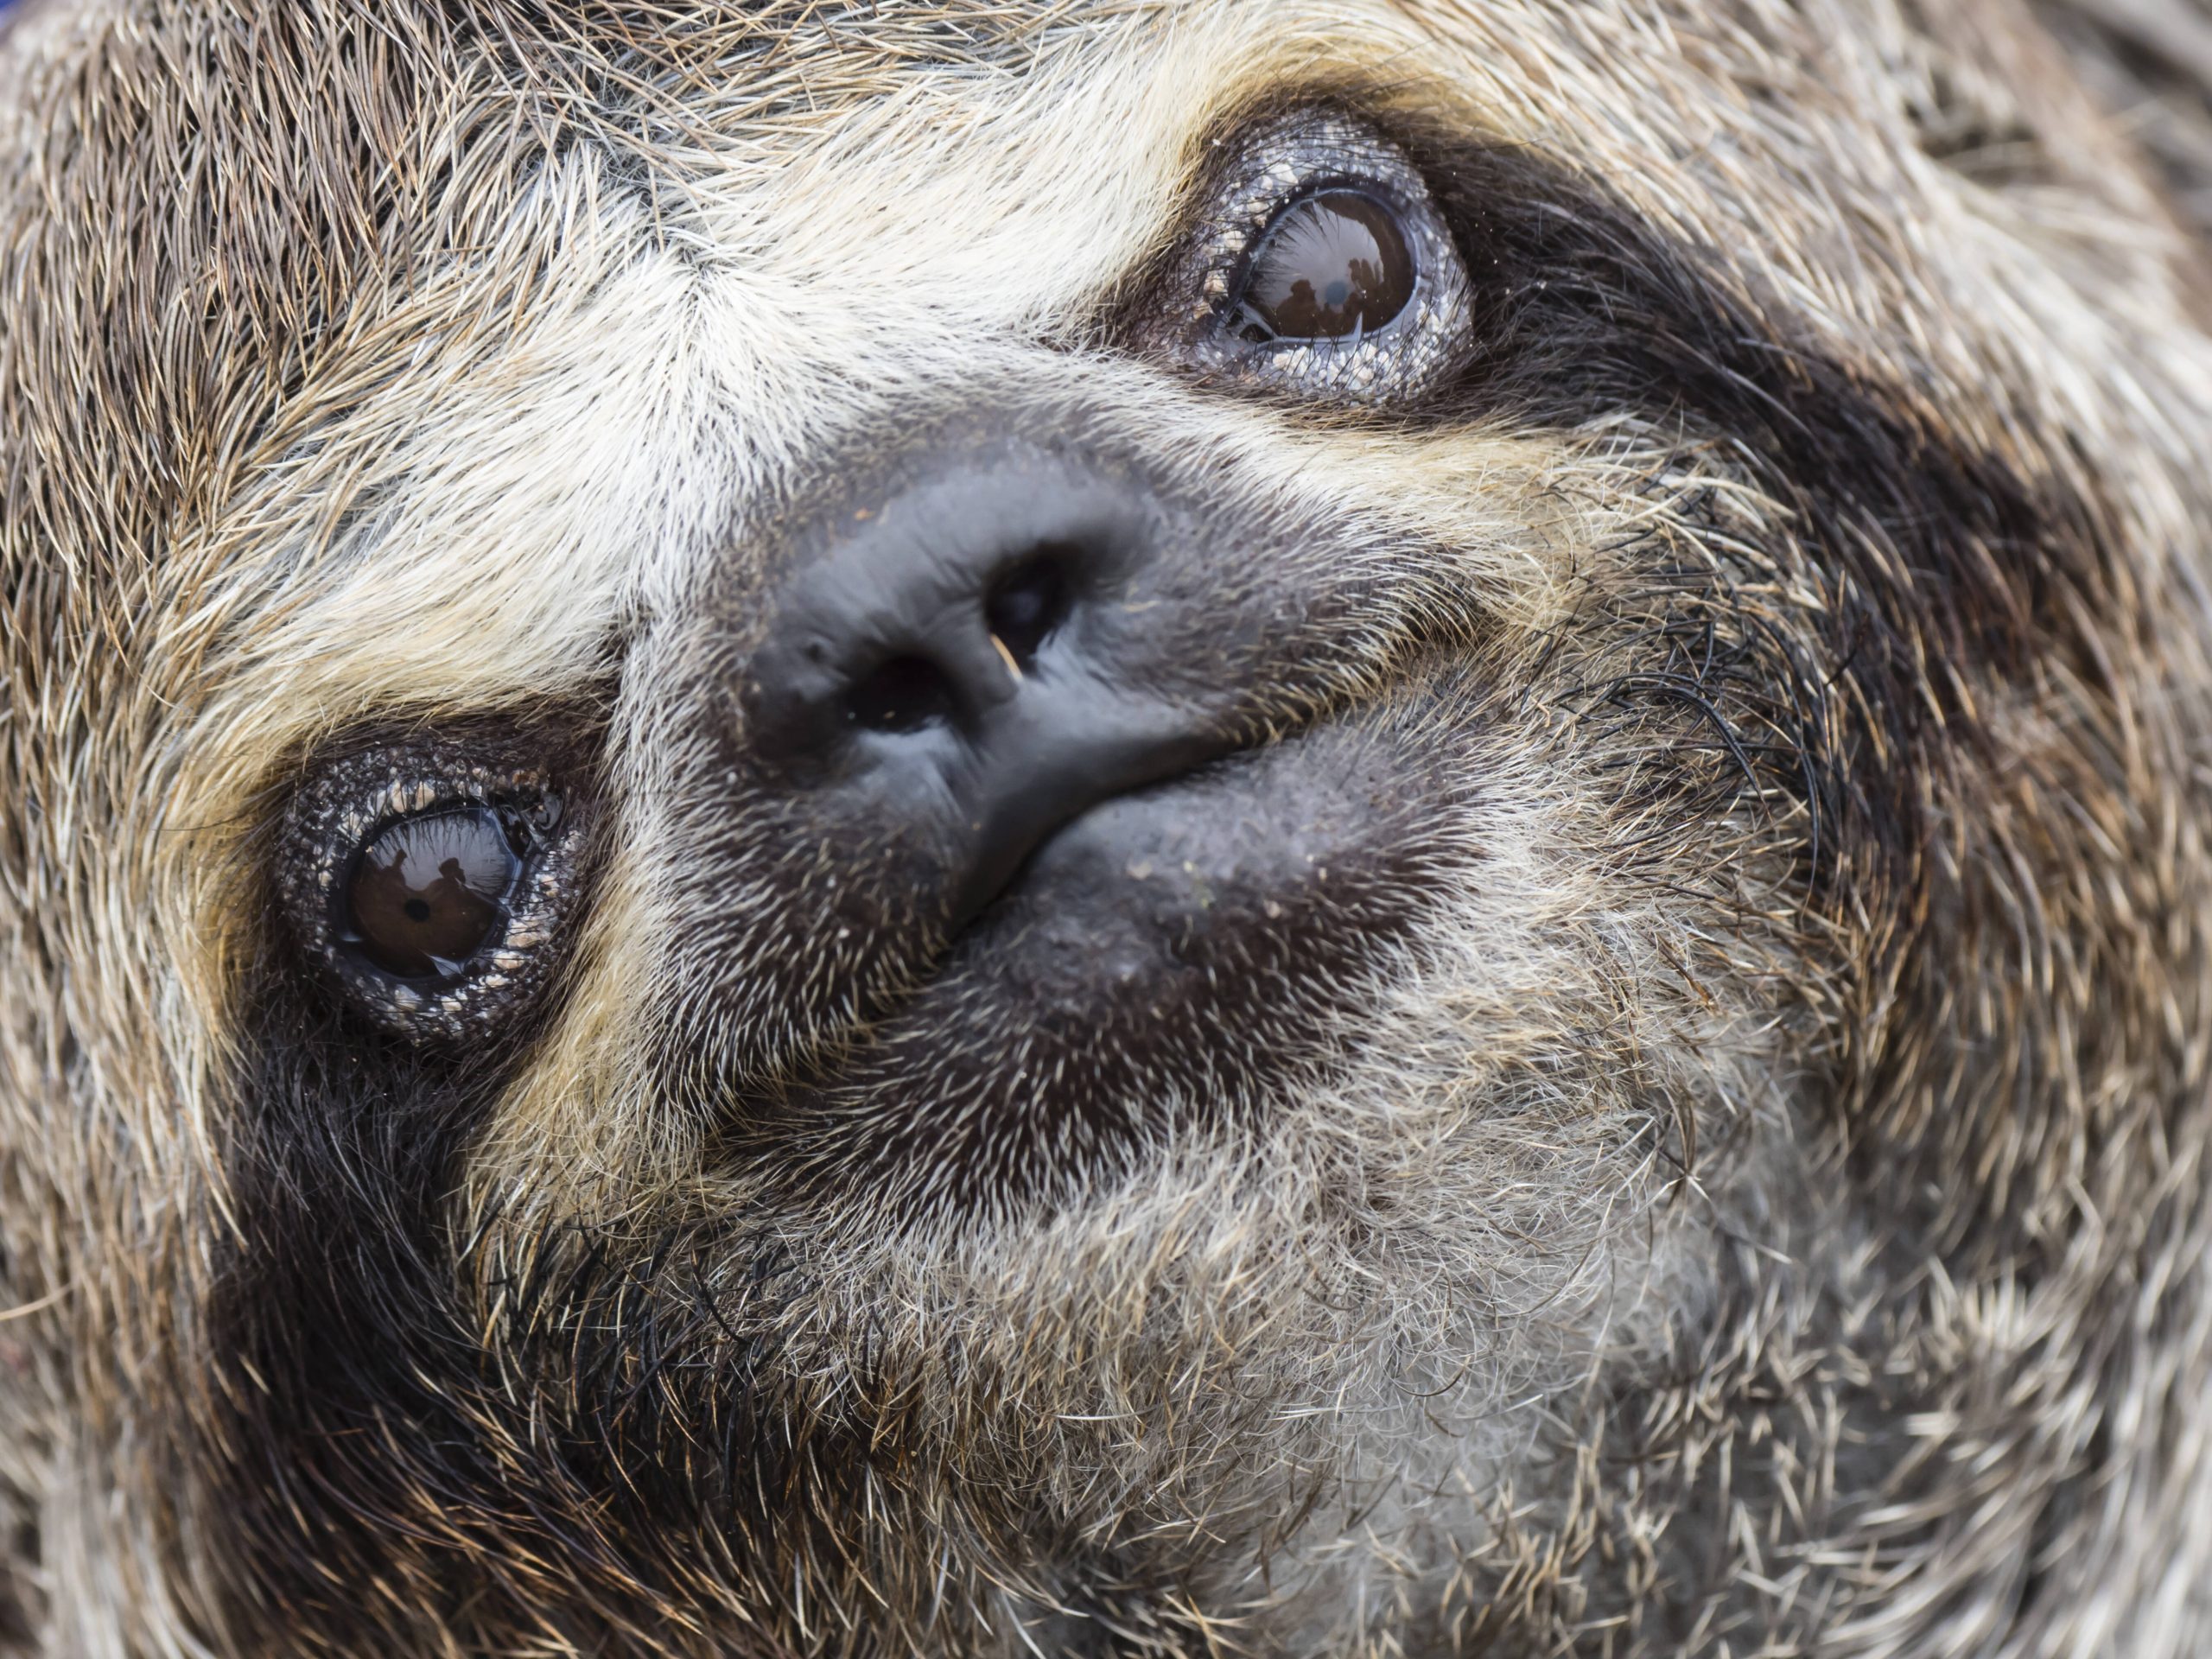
column 1333, row 265
column 429, row 891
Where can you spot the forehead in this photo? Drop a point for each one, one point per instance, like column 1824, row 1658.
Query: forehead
column 840, row 141
column 313, row 164
column 360, row 239
column 936, row 114
column 296, row 174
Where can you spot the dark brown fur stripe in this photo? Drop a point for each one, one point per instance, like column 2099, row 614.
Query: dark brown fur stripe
column 1951, row 579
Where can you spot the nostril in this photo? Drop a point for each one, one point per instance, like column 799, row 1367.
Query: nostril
column 903, row 695
column 1029, row 602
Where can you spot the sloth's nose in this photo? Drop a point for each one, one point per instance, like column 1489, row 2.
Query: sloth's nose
column 964, row 664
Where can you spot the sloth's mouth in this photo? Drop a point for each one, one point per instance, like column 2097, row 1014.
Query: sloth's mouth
column 1176, row 770
column 1251, row 834
column 1162, row 959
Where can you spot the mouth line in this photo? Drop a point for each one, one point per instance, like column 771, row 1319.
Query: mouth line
column 980, row 901
column 1164, row 955
column 1006, row 859
column 1182, row 764
column 1182, row 854
column 1276, row 741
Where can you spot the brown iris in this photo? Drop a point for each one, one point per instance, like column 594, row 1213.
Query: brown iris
column 429, row 890
column 1334, row 264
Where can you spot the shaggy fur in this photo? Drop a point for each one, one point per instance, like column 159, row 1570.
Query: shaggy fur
column 1727, row 1177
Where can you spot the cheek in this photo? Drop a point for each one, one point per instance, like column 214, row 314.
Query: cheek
column 585, row 1126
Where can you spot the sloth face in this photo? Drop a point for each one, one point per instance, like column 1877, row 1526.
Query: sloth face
column 1093, row 772
column 995, row 827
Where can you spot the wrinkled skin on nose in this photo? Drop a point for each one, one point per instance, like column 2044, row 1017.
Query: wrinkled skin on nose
column 969, row 662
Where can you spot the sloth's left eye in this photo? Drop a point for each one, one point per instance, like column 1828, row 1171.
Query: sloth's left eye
column 1334, row 264
column 1319, row 266
column 434, row 890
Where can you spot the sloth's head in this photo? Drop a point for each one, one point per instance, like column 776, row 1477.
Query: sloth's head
column 1314, row 826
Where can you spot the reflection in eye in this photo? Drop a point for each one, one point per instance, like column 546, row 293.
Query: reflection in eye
column 429, row 891
column 1333, row 265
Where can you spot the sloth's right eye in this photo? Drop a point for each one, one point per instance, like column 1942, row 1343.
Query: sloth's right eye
column 433, row 889
column 427, row 892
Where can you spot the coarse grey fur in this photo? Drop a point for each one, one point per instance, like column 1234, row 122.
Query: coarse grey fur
column 1722, row 1171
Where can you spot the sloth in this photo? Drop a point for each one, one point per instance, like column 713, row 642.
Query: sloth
column 1105, row 828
